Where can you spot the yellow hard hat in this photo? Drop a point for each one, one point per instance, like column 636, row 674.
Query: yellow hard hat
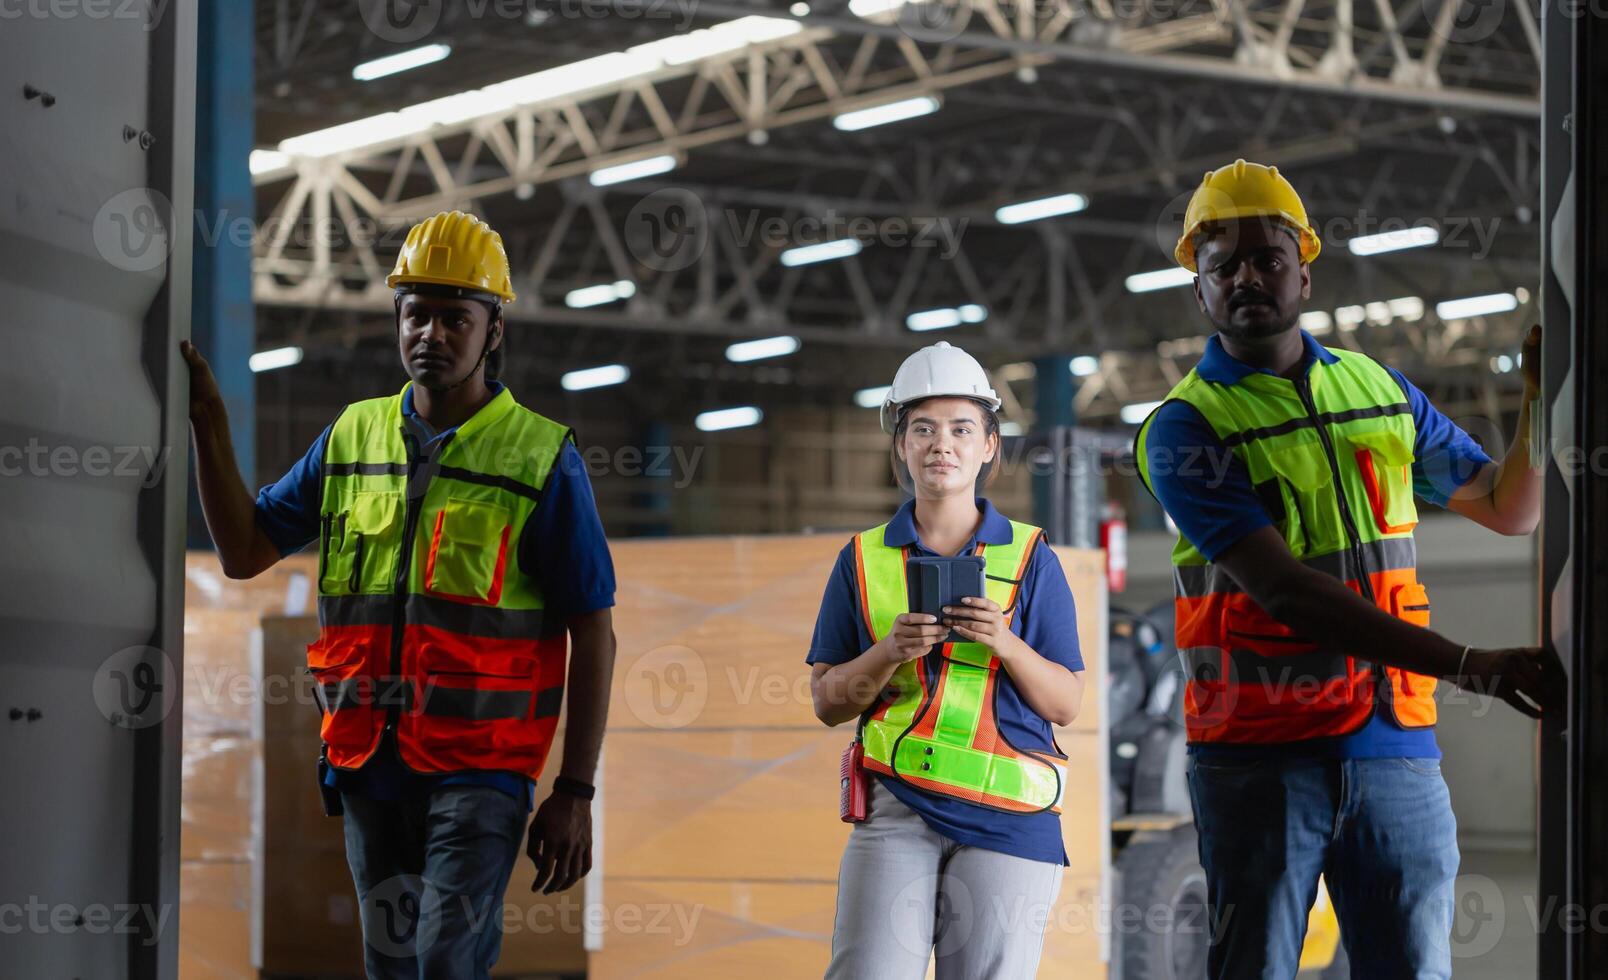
column 454, row 249
column 1244, row 190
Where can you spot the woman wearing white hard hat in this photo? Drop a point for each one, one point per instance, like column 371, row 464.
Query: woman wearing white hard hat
column 954, row 782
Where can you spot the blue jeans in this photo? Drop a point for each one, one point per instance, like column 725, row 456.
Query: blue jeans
column 1380, row 831
column 430, row 875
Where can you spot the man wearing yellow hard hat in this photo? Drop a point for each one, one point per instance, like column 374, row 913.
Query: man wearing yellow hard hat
column 1291, row 471
column 458, row 544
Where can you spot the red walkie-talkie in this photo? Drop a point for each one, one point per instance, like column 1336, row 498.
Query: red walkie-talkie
column 852, row 783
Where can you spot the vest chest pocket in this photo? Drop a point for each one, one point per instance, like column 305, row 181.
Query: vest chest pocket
column 1306, row 487
column 359, row 540
column 1384, row 461
column 468, row 551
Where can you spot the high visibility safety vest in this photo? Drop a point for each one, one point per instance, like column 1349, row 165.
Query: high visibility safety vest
column 427, row 625
column 934, row 727
column 1330, row 456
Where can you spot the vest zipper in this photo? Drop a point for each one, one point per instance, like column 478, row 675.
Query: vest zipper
column 1303, row 387
column 323, row 548
column 399, row 585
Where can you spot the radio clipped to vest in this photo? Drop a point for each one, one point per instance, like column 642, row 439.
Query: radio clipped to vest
column 853, row 783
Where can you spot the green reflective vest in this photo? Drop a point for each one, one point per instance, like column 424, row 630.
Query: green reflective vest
column 934, row 727
column 428, row 626
column 1330, row 457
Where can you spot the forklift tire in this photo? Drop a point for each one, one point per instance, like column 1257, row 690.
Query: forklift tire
column 1162, row 883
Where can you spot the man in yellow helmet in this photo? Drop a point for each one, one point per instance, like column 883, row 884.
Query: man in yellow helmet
column 1291, row 470
column 459, row 543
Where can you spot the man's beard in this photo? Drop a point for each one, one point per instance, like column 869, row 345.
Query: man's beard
column 1259, row 328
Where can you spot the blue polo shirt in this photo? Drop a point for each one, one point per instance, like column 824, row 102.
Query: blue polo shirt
column 1045, row 619
column 562, row 545
column 1214, row 508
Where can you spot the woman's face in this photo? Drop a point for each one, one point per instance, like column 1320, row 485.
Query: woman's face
column 945, row 444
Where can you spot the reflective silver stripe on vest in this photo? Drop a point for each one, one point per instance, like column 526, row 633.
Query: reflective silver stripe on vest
column 358, row 692
column 1249, row 667
column 1386, row 554
column 455, row 617
column 1205, row 665
column 476, row 704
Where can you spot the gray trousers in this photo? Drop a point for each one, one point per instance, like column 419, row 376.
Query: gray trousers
column 907, row 894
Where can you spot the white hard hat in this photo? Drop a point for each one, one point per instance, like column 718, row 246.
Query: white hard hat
column 939, row 371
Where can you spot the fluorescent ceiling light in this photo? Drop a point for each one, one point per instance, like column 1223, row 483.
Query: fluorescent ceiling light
column 872, row 397
column 821, row 252
column 1406, row 307
column 1458, row 309
column 1044, row 207
column 871, row 8
column 1393, row 241
column 889, row 112
column 1084, row 365
column 757, row 350
column 401, row 61
column 279, row 357
column 594, row 377
column 933, row 319
column 635, row 170
column 1010, row 428
column 1144, row 282
column 948, row 316
column 1137, row 412
column 608, row 292
column 728, row 418
column 262, row 161
column 1316, row 322
column 549, row 85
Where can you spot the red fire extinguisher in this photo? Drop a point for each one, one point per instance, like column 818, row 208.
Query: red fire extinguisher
column 1114, row 539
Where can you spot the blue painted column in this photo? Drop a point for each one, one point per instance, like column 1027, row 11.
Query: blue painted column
column 223, row 320
column 1053, row 390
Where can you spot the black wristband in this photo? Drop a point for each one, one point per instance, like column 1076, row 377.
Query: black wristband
column 574, row 787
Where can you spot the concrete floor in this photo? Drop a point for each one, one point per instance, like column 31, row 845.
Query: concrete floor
column 1494, row 934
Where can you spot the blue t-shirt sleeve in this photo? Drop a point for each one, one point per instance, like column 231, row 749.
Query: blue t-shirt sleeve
column 1447, row 457
column 840, row 636
column 563, row 545
column 1048, row 614
column 287, row 511
column 1202, row 485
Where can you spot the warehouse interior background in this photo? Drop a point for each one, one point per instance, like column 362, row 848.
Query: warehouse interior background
column 729, row 222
